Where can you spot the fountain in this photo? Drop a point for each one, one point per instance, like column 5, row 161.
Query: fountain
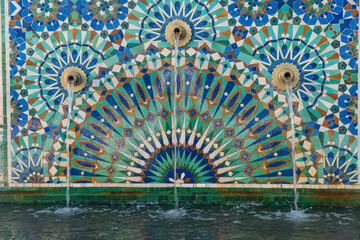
column 70, row 88
column 224, row 135
column 219, row 162
column 289, row 90
column 175, row 140
column 287, row 77
column 178, row 34
column 73, row 80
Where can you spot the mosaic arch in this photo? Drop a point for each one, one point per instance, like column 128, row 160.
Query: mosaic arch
column 228, row 126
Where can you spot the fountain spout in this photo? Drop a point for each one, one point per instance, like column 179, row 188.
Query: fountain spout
column 179, row 30
column 73, row 76
column 285, row 75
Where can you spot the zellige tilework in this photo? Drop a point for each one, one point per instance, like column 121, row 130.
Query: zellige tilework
column 229, row 126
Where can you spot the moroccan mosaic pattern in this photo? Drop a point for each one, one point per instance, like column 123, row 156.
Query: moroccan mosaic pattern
column 217, row 114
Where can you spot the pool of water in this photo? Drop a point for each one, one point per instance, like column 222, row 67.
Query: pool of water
column 153, row 221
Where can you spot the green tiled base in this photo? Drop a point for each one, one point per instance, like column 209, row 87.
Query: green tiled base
column 307, row 197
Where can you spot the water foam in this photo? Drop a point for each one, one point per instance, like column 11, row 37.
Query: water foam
column 175, row 213
column 62, row 211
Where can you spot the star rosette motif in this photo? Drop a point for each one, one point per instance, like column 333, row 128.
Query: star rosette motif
column 217, row 132
column 39, row 98
column 147, row 24
column 250, row 12
column 104, row 14
column 313, row 55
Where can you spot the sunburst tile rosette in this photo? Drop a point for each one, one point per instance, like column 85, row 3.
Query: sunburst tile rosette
column 316, row 58
column 220, row 132
column 148, row 21
column 39, row 100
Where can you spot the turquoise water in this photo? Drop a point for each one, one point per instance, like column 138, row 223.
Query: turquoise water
column 152, row 221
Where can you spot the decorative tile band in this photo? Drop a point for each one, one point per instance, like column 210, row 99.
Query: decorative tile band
column 180, row 185
column 201, row 195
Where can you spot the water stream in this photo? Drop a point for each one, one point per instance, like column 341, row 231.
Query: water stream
column 70, row 100
column 176, row 40
column 289, row 90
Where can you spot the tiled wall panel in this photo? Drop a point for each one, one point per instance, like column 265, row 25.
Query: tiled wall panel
column 229, row 124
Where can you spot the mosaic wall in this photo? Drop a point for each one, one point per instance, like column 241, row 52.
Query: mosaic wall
column 220, row 117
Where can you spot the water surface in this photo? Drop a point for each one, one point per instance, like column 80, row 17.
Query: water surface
column 152, row 221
